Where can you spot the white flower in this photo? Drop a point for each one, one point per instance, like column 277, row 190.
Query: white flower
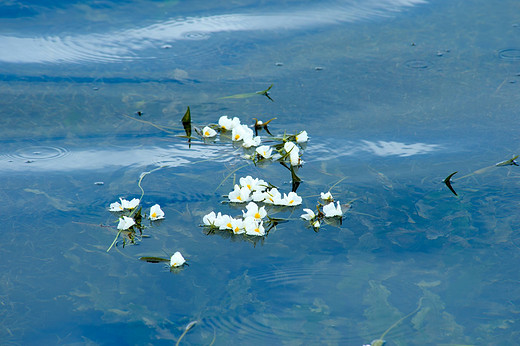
column 331, row 211
column 251, row 141
column 177, row 260
column 211, row 219
column 227, row 124
column 253, row 227
column 130, row 204
column 294, row 157
column 291, row 199
column 225, row 222
column 253, row 184
column 316, row 224
column 290, row 146
column 241, row 132
column 259, row 196
column 265, row 151
column 302, row 137
column 237, row 226
column 254, row 212
column 272, row 196
column 309, row 214
column 239, row 194
column 208, row 132
column 116, row 206
column 156, row 212
column 294, row 153
column 125, row 222
column 326, row 196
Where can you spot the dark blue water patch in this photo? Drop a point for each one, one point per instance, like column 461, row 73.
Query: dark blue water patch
column 16, row 11
column 79, row 79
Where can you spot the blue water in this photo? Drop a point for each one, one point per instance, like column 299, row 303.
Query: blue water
column 395, row 96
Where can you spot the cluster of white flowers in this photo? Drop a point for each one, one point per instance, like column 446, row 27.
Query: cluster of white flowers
column 258, row 190
column 239, row 132
column 124, row 204
column 251, row 222
column 244, row 134
column 329, row 210
column 125, row 221
column 131, row 218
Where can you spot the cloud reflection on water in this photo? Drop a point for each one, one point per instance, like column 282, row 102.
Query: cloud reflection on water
column 180, row 155
column 107, row 158
column 327, row 151
column 128, row 44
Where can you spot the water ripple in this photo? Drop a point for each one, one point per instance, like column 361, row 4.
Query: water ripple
column 128, row 44
column 53, row 158
column 38, row 153
column 287, row 309
column 509, row 54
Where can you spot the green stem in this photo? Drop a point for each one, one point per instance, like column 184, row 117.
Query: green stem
column 401, row 320
column 115, row 240
column 188, row 327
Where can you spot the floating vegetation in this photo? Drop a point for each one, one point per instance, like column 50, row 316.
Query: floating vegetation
column 263, row 199
column 510, row 162
column 247, row 95
column 448, row 180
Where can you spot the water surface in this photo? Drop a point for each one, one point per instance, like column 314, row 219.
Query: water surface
column 395, row 96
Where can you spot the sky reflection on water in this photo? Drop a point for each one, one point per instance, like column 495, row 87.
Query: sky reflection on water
column 127, row 44
column 54, row 158
column 405, row 95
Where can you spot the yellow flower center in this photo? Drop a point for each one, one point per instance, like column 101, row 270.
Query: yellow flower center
column 239, row 198
column 258, row 216
column 229, row 225
column 249, row 186
column 154, row 214
column 237, row 137
column 236, row 230
column 291, row 201
column 206, row 133
column 257, row 230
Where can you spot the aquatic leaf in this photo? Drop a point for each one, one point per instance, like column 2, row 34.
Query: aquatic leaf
column 62, row 205
column 262, row 125
column 433, row 322
column 448, row 182
column 295, row 180
column 247, row 95
column 508, row 162
column 151, row 259
column 379, row 313
column 186, row 123
column 187, row 116
column 265, row 92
